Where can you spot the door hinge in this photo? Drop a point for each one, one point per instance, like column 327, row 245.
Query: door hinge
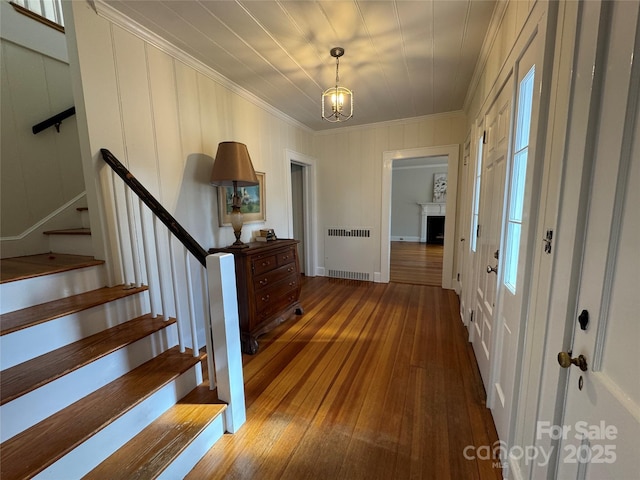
column 484, row 137
column 547, row 241
column 458, row 277
column 478, row 231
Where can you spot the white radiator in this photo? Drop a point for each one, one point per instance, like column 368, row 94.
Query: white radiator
column 349, row 253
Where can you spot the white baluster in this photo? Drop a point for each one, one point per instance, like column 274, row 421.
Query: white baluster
column 207, row 329
column 151, row 280
column 162, row 277
column 192, row 314
column 175, row 293
column 119, row 234
column 135, row 253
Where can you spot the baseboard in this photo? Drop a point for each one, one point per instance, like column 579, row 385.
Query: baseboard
column 405, row 239
column 320, row 272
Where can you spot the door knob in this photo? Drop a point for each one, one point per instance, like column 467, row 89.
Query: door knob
column 565, row 361
column 492, row 269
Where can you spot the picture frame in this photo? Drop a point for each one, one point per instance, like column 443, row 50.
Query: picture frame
column 439, row 188
column 253, row 206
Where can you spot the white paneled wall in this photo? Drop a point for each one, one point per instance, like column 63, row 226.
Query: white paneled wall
column 163, row 116
column 42, row 172
column 350, row 168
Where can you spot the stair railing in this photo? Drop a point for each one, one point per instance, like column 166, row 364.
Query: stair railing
column 141, row 241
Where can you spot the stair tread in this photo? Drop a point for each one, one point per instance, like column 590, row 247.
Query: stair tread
column 69, row 231
column 38, row 447
column 19, row 268
column 34, row 373
column 151, row 451
column 27, row 317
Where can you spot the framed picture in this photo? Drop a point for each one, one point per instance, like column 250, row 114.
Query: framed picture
column 439, row 187
column 253, row 203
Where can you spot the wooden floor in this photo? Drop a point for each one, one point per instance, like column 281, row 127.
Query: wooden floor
column 374, row 381
column 416, row 263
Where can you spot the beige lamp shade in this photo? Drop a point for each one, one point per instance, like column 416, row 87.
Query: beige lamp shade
column 233, row 164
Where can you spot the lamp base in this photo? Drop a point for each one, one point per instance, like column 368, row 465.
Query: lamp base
column 238, row 244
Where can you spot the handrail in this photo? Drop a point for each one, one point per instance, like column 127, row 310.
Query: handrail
column 165, row 217
column 55, row 120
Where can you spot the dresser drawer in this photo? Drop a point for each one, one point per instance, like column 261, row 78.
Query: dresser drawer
column 286, row 256
column 270, row 295
column 270, row 302
column 267, row 279
column 263, row 264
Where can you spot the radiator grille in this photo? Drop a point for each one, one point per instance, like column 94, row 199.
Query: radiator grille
column 354, row 232
column 348, row 275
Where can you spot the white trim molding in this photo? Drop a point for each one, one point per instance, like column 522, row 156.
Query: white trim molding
column 453, row 153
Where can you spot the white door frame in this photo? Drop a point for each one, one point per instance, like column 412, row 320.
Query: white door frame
column 310, row 206
column 453, row 154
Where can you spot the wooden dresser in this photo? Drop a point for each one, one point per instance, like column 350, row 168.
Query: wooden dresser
column 268, row 284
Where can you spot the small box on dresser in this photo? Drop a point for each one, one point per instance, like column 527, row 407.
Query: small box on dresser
column 268, row 285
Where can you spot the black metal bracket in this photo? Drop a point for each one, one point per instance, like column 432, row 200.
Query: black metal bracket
column 54, row 121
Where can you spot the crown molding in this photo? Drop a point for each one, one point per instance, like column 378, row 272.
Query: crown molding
column 112, row 15
column 499, row 12
column 391, row 123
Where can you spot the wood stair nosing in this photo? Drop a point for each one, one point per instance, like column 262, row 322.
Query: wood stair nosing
column 38, row 447
column 69, row 231
column 32, row 374
column 29, row 266
column 27, row 317
column 150, row 452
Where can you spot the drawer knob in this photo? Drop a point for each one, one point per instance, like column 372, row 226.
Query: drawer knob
column 290, row 269
column 264, row 281
column 265, row 263
column 265, row 298
column 291, row 284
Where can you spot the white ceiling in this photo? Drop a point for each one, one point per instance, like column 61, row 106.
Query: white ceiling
column 403, row 58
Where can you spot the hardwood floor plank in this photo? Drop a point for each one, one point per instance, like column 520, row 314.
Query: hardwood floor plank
column 359, row 387
column 416, row 263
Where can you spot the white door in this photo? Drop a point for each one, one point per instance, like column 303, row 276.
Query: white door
column 498, row 120
column 462, row 221
column 600, row 431
column 514, row 285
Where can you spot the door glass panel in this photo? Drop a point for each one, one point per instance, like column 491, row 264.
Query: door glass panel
column 518, row 179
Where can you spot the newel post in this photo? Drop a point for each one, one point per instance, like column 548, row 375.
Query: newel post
column 225, row 333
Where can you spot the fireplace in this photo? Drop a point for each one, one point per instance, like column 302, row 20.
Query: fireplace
column 435, row 230
column 428, row 211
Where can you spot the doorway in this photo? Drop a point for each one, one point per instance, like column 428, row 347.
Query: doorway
column 300, row 174
column 297, row 208
column 418, row 207
column 405, row 157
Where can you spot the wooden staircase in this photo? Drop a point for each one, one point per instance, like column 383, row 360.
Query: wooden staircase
column 93, row 386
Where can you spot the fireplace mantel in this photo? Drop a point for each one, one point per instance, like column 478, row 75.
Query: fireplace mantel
column 429, row 209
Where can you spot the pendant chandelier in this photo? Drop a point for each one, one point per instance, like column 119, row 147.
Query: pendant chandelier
column 337, row 102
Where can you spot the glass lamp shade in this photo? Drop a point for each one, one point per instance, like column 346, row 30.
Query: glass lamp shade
column 337, row 104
